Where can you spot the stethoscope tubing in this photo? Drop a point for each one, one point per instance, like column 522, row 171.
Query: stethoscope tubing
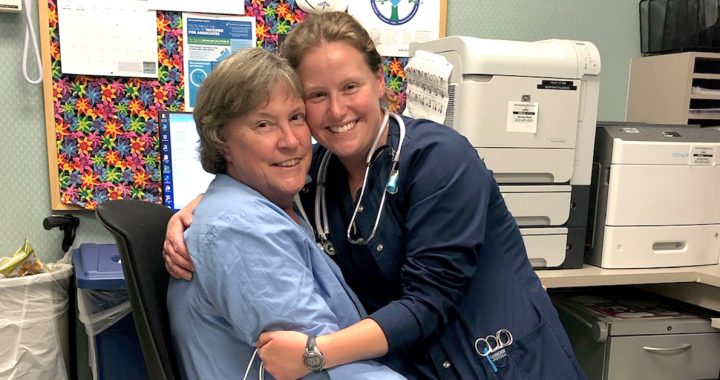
column 322, row 229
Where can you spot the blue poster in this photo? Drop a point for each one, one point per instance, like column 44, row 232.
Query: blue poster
column 208, row 39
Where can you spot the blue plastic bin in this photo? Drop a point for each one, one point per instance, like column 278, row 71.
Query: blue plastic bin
column 101, row 290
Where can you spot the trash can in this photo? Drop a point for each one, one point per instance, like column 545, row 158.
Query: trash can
column 34, row 325
column 104, row 309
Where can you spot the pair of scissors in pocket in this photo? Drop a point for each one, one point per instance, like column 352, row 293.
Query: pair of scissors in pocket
column 492, row 347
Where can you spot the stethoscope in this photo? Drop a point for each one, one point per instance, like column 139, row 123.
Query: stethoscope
column 322, row 228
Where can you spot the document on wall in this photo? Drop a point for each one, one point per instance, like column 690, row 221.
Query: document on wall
column 207, row 40
column 394, row 24
column 108, row 38
column 428, row 80
column 229, row 7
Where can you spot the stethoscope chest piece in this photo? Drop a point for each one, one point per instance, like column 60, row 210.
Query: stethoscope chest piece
column 392, row 183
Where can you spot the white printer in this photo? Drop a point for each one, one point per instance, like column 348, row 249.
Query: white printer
column 656, row 197
column 544, row 171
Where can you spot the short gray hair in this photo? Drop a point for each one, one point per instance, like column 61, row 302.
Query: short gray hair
column 240, row 84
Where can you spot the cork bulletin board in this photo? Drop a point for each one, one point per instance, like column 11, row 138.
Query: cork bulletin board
column 102, row 132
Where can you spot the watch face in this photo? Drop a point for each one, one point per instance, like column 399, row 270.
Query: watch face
column 313, row 358
column 313, row 361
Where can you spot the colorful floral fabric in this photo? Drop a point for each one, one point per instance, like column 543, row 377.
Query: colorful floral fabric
column 106, row 128
column 396, row 82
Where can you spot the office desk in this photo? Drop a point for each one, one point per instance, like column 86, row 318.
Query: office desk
column 699, row 285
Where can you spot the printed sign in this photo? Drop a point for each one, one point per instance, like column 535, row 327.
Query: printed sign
column 567, row 85
column 522, row 117
column 702, row 155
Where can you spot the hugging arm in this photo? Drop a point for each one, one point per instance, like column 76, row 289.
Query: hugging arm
column 448, row 192
column 175, row 252
column 258, row 281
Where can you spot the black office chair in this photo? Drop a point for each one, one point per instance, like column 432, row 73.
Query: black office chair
column 139, row 229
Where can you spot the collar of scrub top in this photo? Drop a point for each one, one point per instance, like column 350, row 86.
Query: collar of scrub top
column 322, row 228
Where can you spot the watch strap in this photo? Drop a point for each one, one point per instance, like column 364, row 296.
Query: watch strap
column 310, row 345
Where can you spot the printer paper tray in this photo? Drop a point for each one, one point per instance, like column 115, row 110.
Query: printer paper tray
column 545, row 246
column 659, row 246
column 538, row 205
column 527, row 165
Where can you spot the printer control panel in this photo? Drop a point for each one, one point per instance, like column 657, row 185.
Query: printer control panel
column 588, row 58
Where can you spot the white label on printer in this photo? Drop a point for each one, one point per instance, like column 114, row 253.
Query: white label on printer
column 702, row 155
column 631, row 130
column 522, row 117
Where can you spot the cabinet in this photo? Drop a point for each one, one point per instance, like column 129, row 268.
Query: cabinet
column 681, row 88
column 622, row 333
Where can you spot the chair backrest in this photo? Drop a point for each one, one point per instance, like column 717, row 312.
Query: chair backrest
column 139, row 229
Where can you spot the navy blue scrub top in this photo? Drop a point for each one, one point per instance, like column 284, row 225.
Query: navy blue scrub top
column 381, row 289
column 447, row 264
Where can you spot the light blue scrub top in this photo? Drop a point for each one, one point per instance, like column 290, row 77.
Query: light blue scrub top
column 256, row 270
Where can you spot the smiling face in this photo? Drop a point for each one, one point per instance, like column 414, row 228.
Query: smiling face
column 269, row 148
column 342, row 99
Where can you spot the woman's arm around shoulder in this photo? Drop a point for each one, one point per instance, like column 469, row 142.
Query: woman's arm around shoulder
column 175, row 252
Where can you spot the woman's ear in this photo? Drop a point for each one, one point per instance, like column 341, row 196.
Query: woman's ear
column 380, row 77
column 226, row 152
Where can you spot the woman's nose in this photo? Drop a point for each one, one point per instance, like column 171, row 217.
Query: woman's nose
column 289, row 137
column 337, row 107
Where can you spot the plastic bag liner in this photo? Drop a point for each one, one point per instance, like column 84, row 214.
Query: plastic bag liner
column 99, row 310
column 34, row 325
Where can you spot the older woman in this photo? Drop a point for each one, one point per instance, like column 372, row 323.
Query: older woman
column 257, row 265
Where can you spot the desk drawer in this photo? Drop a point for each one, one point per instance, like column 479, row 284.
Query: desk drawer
column 628, row 359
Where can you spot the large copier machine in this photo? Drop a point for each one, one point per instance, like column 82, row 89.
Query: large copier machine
column 544, row 174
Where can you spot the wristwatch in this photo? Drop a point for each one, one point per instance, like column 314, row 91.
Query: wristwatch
column 312, row 357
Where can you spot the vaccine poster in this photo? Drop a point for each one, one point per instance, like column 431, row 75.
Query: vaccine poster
column 207, row 40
